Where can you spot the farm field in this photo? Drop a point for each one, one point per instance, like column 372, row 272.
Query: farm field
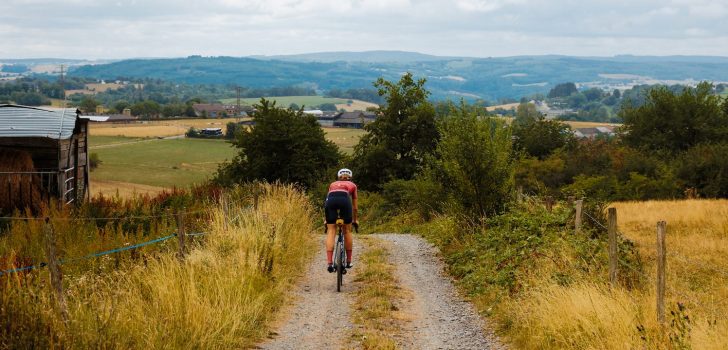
column 697, row 271
column 307, row 101
column 159, row 163
column 156, row 128
column 285, row 101
column 346, row 139
column 575, row 124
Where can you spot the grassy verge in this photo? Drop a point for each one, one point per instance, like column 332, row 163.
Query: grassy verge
column 377, row 314
column 546, row 287
column 223, row 295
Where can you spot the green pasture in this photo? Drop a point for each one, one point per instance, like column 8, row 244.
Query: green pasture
column 163, row 163
column 177, row 162
column 285, row 101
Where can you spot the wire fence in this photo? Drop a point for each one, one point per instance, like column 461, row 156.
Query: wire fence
column 99, row 254
column 661, row 274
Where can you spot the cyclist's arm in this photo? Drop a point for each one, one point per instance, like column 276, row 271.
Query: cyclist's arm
column 355, row 209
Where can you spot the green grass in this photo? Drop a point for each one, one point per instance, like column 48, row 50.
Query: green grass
column 110, row 140
column 164, row 163
column 285, row 101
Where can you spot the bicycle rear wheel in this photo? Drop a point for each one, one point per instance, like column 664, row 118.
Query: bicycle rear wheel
column 339, row 266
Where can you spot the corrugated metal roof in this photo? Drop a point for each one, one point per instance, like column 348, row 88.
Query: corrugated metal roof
column 24, row 121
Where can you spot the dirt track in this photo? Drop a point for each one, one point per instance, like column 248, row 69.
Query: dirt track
column 439, row 317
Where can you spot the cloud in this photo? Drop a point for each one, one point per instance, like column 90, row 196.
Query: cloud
column 142, row 28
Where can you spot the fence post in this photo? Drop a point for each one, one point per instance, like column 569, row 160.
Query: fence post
column 579, row 204
column 549, row 203
column 225, row 210
column 519, row 194
column 181, row 233
column 54, row 269
column 661, row 262
column 612, row 229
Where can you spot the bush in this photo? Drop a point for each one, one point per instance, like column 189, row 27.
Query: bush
column 705, row 167
column 473, row 158
column 423, row 195
column 94, row 161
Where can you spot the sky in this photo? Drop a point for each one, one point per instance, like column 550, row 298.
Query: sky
column 113, row 29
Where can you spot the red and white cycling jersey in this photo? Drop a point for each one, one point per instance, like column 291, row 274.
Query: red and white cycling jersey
column 343, row 186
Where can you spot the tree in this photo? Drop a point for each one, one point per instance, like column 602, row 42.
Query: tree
column 327, row 107
column 88, row 105
column 616, row 93
column 146, row 109
column 284, row 145
column 540, row 137
column 294, row 106
column 526, row 113
column 397, row 142
column 593, row 94
column 473, row 158
column 673, row 123
column 562, row 90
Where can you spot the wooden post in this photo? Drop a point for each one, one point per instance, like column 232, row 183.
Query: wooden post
column 225, row 210
column 661, row 262
column 612, row 229
column 549, row 203
column 54, row 269
column 579, row 204
column 181, row 233
column 520, row 194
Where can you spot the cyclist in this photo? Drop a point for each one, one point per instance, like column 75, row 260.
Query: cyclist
column 340, row 201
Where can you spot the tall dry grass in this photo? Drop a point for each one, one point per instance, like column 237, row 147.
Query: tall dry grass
column 591, row 315
column 223, row 295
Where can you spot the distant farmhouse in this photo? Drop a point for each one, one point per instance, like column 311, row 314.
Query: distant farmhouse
column 218, row 110
column 355, row 120
column 594, row 133
column 43, row 154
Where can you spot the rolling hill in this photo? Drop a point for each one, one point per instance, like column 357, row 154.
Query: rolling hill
column 448, row 77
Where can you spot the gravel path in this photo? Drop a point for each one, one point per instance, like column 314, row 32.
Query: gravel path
column 440, row 318
column 436, row 316
column 318, row 310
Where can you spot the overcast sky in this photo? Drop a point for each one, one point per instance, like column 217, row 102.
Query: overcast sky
column 173, row 28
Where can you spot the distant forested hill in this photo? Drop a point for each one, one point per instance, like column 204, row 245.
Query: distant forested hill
column 485, row 78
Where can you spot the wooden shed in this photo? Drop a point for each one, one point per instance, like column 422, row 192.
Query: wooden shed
column 57, row 141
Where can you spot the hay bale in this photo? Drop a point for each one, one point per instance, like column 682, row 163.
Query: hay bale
column 18, row 191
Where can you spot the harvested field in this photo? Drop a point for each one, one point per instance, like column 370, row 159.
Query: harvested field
column 356, row 105
column 122, row 189
column 156, row 128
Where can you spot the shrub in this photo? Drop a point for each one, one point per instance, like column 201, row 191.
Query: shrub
column 94, row 161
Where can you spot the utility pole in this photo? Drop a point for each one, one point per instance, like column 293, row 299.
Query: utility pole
column 63, row 88
column 237, row 110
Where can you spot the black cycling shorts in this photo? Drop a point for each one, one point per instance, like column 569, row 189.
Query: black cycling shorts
column 338, row 204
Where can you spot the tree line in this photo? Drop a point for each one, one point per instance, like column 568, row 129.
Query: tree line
column 458, row 158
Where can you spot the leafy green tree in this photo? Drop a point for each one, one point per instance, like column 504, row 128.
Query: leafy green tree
column 397, row 142
column 562, row 90
column 473, row 158
column 145, row 109
column 284, row 145
column 120, row 105
column 593, row 94
column 327, row 107
column 294, row 106
column 526, row 113
column 675, row 122
column 88, row 105
column 540, row 137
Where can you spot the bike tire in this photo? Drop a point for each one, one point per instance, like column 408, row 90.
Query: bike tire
column 339, row 266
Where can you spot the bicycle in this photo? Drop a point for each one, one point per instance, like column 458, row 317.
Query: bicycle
column 340, row 253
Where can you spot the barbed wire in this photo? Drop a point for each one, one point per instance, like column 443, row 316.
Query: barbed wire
column 696, row 263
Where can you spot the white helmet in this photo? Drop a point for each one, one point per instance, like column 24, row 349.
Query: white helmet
column 344, row 172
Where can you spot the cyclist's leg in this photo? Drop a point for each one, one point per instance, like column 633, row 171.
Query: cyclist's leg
column 330, row 209
column 347, row 215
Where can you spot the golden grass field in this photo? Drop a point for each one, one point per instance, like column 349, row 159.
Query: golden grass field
column 356, row 105
column 156, row 128
column 223, row 295
column 591, row 315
